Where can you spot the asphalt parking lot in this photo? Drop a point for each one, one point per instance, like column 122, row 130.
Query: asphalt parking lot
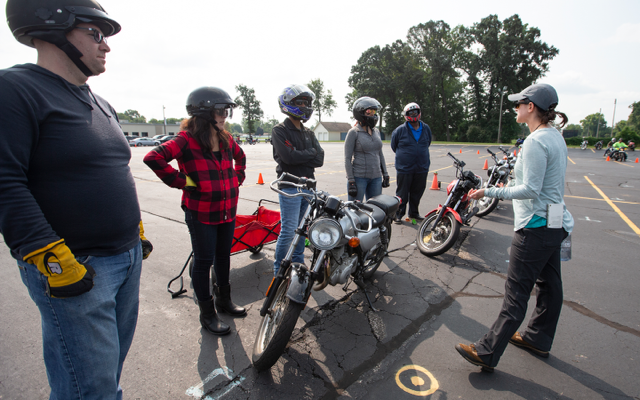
column 342, row 349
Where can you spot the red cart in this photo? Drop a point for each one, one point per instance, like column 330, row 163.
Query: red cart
column 251, row 233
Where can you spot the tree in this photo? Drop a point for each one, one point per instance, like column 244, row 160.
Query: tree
column 132, row 116
column 269, row 124
column 574, row 127
column 169, row 121
column 251, row 111
column 594, row 124
column 324, row 102
column 634, row 117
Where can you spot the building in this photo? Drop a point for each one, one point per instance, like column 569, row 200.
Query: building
column 148, row 130
column 331, row 131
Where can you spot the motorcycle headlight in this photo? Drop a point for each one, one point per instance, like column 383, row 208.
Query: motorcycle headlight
column 325, row 233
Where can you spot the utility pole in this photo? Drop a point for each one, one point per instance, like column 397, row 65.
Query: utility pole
column 615, row 102
column 165, row 122
column 598, row 128
column 504, row 89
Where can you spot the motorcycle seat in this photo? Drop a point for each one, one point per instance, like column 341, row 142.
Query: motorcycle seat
column 388, row 204
column 377, row 214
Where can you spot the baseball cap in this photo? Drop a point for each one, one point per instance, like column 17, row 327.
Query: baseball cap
column 540, row 94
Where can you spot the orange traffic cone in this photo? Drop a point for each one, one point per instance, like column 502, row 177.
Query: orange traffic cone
column 608, row 158
column 636, row 160
column 260, row 181
column 460, row 150
column 515, row 153
column 486, row 165
column 478, row 151
column 434, row 184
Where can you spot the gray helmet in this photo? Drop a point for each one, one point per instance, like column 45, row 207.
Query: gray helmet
column 542, row 95
column 51, row 20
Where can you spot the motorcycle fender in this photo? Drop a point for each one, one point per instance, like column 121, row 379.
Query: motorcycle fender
column 447, row 210
column 299, row 286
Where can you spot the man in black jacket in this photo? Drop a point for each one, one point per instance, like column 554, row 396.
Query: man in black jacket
column 410, row 141
column 65, row 178
column 297, row 151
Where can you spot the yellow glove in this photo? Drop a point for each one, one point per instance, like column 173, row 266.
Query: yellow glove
column 191, row 185
column 66, row 277
column 147, row 247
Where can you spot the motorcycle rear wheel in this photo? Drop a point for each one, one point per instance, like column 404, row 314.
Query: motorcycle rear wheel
column 486, row 204
column 438, row 239
column 372, row 267
column 275, row 329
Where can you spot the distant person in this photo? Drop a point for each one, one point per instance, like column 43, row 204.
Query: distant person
column 363, row 158
column 534, row 258
column 297, row 151
column 410, row 141
column 211, row 170
column 621, row 146
column 69, row 209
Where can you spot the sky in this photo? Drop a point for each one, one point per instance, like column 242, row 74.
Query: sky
column 166, row 49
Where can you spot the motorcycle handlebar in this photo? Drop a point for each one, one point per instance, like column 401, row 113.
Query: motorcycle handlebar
column 303, row 183
column 458, row 162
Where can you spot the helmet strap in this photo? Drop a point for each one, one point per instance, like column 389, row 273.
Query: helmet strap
column 59, row 39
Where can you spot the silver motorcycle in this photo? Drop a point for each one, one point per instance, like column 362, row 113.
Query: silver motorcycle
column 349, row 240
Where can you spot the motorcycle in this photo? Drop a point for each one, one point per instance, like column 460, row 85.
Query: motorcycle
column 598, row 145
column 615, row 154
column 584, row 144
column 252, row 140
column 440, row 228
column 631, row 145
column 519, row 142
column 349, row 240
column 499, row 175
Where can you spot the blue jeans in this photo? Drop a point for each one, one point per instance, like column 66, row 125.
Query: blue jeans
column 211, row 246
column 291, row 212
column 85, row 339
column 370, row 187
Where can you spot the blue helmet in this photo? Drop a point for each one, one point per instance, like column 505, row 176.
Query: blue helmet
column 297, row 93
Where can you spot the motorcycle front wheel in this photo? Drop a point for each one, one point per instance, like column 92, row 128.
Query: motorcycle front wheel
column 375, row 262
column 275, row 329
column 435, row 240
column 486, row 204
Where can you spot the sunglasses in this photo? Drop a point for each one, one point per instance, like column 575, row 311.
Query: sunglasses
column 302, row 102
column 370, row 112
column 413, row 113
column 223, row 110
column 97, row 35
column 525, row 101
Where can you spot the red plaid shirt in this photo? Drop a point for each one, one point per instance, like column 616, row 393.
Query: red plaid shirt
column 215, row 199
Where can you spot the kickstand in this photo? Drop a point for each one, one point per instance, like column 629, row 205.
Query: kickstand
column 360, row 284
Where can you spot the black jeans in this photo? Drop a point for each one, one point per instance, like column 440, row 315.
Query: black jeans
column 410, row 189
column 210, row 243
column 534, row 260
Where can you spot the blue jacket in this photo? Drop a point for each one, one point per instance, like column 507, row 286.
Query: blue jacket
column 411, row 156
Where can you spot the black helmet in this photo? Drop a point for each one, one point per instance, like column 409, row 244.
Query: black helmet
column 286, row 101
column 360, row 108
column 203, row 100
column 51, row 20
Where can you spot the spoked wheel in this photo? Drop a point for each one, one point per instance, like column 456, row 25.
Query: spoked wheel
column 372, row 265
column 435, row 240
column 486, row 205
column 275, row 329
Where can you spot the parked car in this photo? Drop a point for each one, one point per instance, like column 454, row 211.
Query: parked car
column 144, row 141
column 157, row 137
column 167, row 138
column 130, row 138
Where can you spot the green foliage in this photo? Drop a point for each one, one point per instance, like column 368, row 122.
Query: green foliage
column 132, row 116
column 324, row 102
column 251, row 111
column 595, row 125
column 574, row 127
column 634, row 117
column 169, row 121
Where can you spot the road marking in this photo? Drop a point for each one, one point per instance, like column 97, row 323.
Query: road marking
column 615, row 208
column 624, row 163
column 417, row 381
column 590, row 220
column 571, row 160
column 197, row 392
column 616, row 200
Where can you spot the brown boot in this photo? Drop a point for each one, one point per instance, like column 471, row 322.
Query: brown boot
column 224, row 303
column 517, row 340
column 469, row 353
column 209, row 319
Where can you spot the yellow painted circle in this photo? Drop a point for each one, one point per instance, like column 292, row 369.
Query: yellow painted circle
column 434, row 383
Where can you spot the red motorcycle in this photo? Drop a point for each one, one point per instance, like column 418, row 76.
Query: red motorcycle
column 440, row 228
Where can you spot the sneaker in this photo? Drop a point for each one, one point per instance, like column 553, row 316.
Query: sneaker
column 517, row 340
column 397, row 220
column 469, row 353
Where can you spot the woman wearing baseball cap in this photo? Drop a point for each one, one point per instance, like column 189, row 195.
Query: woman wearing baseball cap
column 541, row 223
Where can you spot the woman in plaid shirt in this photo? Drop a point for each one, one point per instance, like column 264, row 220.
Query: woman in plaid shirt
column 210, row 182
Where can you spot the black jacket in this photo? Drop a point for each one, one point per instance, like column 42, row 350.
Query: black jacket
column 296, row 152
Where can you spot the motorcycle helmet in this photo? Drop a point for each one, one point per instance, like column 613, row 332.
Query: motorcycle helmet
column 297, row 93
column 365, row 111
column 51, row 20
column 202, row 101
column 412, row 108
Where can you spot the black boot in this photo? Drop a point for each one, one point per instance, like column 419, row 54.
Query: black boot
column 224, row 303
column 209, row 319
